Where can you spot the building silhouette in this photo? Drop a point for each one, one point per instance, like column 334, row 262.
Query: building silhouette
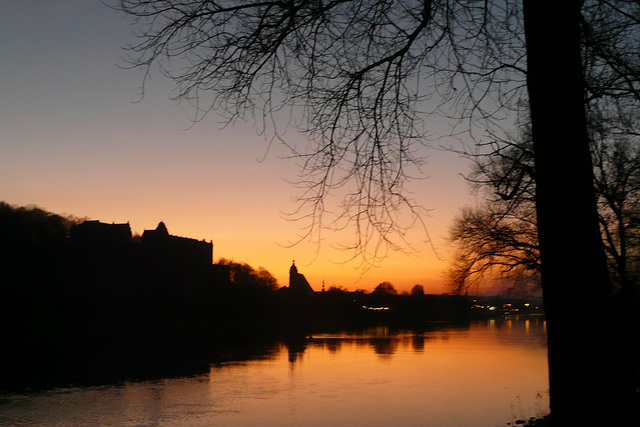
column 298, row 284
column 95, row 239
column 160, row 247
column 105, row 251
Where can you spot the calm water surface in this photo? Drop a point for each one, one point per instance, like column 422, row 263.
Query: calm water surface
column 481, row 375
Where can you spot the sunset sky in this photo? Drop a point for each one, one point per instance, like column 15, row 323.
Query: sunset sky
column 74, row 140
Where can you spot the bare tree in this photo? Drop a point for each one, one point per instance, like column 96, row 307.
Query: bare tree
column 491, row 242
column 355, row 76
column 499, row 236
column 242, row 274
column 617, row 178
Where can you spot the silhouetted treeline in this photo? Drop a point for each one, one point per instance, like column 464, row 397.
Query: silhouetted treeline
column 35, row 265
column 65, row 274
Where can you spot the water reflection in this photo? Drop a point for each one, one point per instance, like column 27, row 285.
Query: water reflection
column 453, row 375
column 417, row 342
column 515, row 330
column 64, row 360
column 296, row 348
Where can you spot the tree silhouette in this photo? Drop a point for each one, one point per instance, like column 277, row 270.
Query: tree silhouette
column 489, row 240
column 354, row 76
column 500, row 235
column 243, row 275
column 417, row 290
column 336, row 289
column 385, row 288
column 617, row 178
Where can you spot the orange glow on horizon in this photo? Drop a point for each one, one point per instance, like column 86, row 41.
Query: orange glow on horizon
column 73, row 141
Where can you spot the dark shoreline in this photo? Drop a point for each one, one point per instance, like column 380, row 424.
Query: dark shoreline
column 44, row 360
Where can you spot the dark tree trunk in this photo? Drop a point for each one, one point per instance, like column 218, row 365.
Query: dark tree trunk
column 575, row 281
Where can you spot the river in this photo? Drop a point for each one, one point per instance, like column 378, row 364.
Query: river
column 485, row 373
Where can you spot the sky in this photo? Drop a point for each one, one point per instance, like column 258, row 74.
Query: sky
column 76, row 138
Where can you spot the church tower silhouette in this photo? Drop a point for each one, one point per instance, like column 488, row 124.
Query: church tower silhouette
column 298, row 284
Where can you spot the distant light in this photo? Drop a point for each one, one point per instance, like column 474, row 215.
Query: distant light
column 375, row 308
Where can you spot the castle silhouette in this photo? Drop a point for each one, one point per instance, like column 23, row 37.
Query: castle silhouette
column 156, row 256
column 98, row 243
column 107, row 240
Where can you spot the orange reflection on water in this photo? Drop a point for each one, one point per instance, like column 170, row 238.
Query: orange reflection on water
column 480, row 375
